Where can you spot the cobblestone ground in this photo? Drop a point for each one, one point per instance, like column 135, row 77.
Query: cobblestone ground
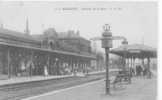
column 140, row 89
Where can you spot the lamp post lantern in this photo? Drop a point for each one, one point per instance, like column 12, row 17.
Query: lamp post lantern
column 106, row 40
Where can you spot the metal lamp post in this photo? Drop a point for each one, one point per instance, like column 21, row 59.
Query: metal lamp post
column 124, row 43
column 106, row 40
column 107, row 44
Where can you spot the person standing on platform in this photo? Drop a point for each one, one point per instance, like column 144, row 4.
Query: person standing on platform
column 45, row 71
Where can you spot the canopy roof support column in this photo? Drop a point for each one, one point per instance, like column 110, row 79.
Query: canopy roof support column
column 124, row 63
column 132, row 62
column 72, row 66
column 129, row 63
column 143, row 62
column 8, row 63
column 31, row 65
column 134, row 65
column 48, row 63
column 58, row 65
column 149, row 71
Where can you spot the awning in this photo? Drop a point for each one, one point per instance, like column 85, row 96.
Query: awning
column 135, row 50
column 49, row 51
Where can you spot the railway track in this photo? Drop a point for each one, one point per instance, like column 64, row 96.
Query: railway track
column 23, row 90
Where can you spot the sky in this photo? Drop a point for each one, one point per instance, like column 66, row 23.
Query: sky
column 137, row 21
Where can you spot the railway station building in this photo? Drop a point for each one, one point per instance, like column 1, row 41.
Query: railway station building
column 50, row 53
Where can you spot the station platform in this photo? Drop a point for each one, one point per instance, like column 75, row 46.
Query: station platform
column 139, row 89
column 19, row 80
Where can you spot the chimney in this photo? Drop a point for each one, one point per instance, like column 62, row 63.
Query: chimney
column 27, row 31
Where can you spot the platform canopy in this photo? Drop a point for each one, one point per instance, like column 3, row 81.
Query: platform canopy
column 135, row 50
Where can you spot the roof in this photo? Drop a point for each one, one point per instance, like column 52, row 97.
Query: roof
column 5, row 33
column 49, row 51
column 66, row 35
column 18, row 36
column 137, row 50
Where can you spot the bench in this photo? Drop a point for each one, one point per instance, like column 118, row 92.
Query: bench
column 122, row 76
